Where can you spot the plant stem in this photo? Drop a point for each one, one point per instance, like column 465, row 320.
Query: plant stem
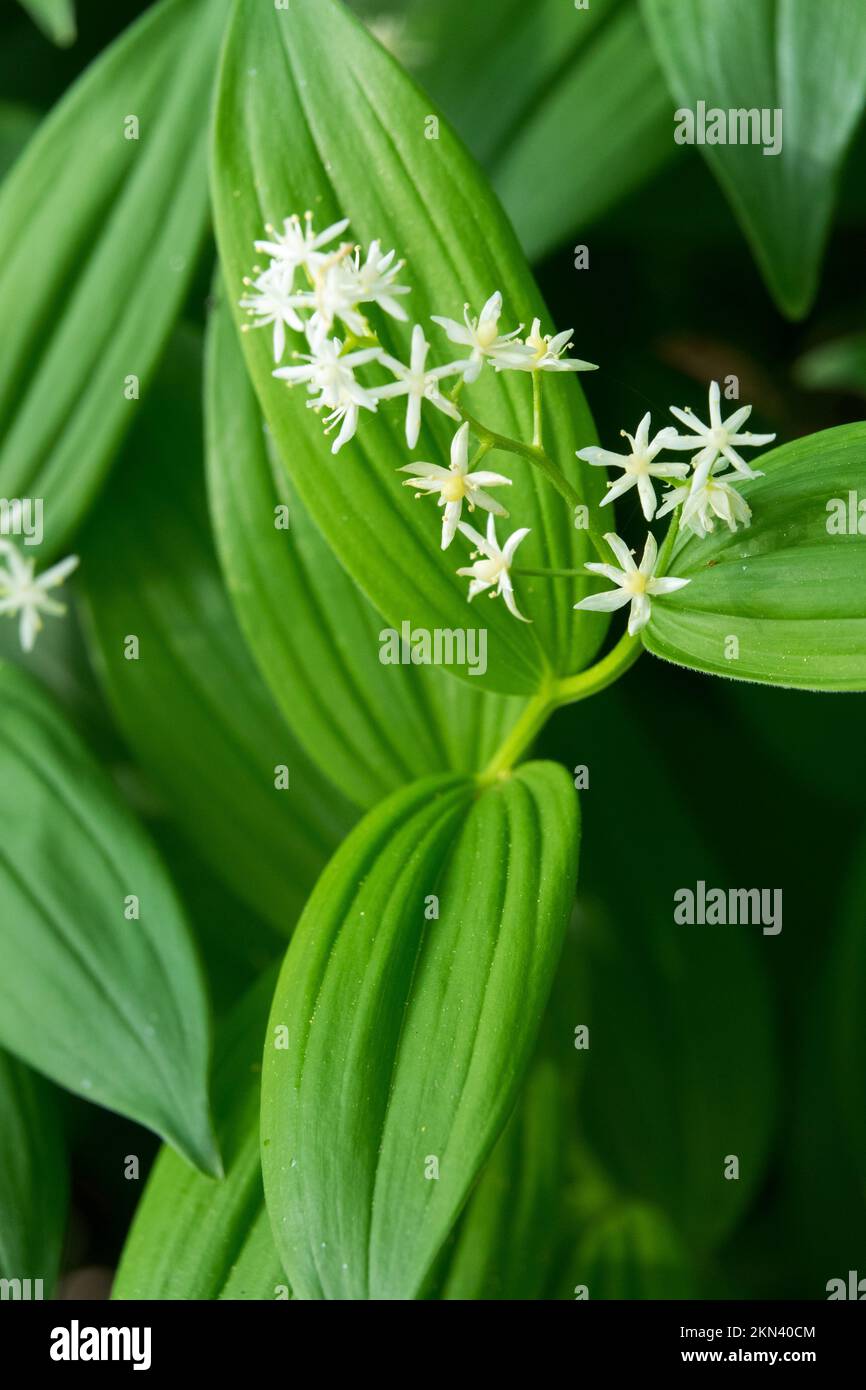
column 536, row 455
column 565, row 691
column 537, row 428
column 520, row 737
column 619, row 659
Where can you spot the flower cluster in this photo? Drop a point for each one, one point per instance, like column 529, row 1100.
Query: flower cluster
column 709, row 493
column 24, row 594
column 309, row 286
column 325, row 291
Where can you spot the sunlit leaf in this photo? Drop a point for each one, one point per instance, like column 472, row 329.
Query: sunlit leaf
column 310, row 628
column 783, row 601
column 325, row 75
column 398, row 1038
column 193, row 1238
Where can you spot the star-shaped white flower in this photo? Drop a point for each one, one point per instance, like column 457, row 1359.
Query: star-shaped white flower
column 373, row 281
column 329, row 374
column 638, row 466
column 298, row 245
column 25, row 593
column 493, row 565
column 419, row 384
column 706, row 497
column 484, row 340
column 334, row 296
column 636, row 584
column 719, row 436
column 272, row 302
column 547, row 352
column 456, row 485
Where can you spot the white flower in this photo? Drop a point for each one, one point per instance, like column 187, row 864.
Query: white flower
column 635, row 584
column 373, row 282
column 483, row 337
column 298, row 245
column 273, row 303
column 719, row 436
column 706, row 497
column 456, row 485
column 21, row 591
column 638, row 466
column 418, row 384
column 547, row 352
column 330, row 377
column 334, row 296
column 493, row 564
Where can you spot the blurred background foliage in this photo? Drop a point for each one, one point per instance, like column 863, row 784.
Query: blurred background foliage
column 705, row 1041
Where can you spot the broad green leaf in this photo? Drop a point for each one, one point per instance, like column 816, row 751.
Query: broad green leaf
column 192, row 705
column 325, row 75
column 56, row 18
column 33, row 1176
column 789, row 589
column 526, row 82
column 193, row 1238
column 309, row 627
column 839, row 365
column 100, row 234
column 610, row 110
column 109, row 1006
column 772, row 56
column 681, row 1068
column 632, row 1252
column 491, row 82
column 506, row 1238
column 398, row 1039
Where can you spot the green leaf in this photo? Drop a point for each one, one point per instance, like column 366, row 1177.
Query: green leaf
column 790, row 589
column 505, row 1241
column 33, row 1176
column 839, row 365
column 192, row 706
column 491, row 83
column 772, row 55
column 56, row 18
column 100, row 236
column 192, row 1238
column 632, row 1252
column 325, row 75
column 309, row 627
column 681, row 1066
column 408, row 1038
column 612, row 99
column 109, row 1007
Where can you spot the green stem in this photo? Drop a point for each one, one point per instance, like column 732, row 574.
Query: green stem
column 668, row 544
column 542, row 461
column 565, row 691
column 520, row 737
column 619, row 659
column 537, row 437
